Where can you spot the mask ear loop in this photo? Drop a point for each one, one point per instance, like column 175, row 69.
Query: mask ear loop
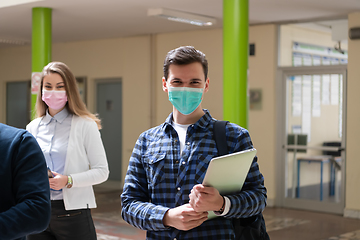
column 202, row 96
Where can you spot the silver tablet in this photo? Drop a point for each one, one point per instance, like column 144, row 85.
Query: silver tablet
column 227, row 173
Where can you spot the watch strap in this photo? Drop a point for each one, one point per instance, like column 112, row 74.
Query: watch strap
column 69, row 182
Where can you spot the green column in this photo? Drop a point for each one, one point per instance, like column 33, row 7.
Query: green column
column 235, row 50
column 41, row 45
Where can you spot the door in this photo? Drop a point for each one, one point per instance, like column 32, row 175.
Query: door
column 18, row 104
column 109, row 107
column 312, row 137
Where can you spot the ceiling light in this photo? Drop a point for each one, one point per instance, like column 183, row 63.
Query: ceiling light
column 13, row 41
column 10, row 3
column 184, row 17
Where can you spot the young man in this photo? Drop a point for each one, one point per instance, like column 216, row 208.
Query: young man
column 163, row 193
column 24, row 189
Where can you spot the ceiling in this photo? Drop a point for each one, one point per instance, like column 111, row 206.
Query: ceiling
column 77, row 20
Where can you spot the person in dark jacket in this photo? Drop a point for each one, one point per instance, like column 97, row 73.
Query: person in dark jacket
column 24, row 189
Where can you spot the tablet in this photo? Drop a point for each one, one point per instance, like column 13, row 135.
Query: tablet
column 227, row 173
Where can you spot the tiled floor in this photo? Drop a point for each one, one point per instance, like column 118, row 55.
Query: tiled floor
column 282, row 224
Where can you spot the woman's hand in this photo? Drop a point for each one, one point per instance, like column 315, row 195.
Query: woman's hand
column 58, row 181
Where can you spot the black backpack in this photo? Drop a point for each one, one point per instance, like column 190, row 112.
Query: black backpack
column 251, row 228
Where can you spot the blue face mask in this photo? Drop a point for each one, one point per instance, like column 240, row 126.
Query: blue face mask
column 185, row 99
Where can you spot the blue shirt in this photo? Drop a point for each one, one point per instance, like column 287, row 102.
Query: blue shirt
column 159, row 178
column 53, row 138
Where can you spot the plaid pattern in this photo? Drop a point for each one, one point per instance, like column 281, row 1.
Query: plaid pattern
column 159, row 178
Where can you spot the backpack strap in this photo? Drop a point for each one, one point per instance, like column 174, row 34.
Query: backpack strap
column 251, row 228
column 220, row 137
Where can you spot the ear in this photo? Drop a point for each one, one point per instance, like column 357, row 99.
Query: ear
column 164, row 85
column 207, row 85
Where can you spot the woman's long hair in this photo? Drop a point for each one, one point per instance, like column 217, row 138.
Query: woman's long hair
column 74, row 104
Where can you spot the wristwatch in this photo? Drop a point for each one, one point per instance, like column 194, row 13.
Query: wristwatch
column 223, row 206
column 69, row 182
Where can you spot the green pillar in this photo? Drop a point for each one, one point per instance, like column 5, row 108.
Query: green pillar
column 41, row 47
column 235, row 50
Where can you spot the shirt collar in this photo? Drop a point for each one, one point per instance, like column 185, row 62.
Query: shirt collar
column 203, row 122
column 59, row 117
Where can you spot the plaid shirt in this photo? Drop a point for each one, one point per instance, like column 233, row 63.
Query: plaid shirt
column 159, row 178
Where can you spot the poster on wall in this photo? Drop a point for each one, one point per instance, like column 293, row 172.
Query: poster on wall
column 306, row 106
column 311, row 54
column 325, row 90
column 316, row 96
column 296, row 96
column 334, row 83
column 35, row 82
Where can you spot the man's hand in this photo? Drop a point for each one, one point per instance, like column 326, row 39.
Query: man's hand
column 184, row 217
column 58, row 181
column 205, row 198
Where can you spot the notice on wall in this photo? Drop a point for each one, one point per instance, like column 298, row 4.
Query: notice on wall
column 334, row 89
column 316, row 95
column 326, row 61
column 312, row 55
column 306, row 106
column 307, row 60
column 297, row 59
column 316, row 60
column 334, row 61
column 325, row 90
column 296, row 96
column 35, row 82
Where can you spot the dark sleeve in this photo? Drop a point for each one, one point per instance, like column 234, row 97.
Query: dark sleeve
column 29, row 199
column 251, row 200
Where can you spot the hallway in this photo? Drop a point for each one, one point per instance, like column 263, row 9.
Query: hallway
column 282, row 224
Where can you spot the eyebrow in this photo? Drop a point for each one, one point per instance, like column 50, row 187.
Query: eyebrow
column 47, row 83
column 193, row 79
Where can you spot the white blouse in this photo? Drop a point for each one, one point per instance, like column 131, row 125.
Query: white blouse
column 53, row 138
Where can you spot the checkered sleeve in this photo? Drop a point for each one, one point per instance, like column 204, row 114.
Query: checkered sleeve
column 251, row 200
column 136, row 207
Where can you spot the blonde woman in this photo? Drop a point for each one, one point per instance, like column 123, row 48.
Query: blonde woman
column 69, row 137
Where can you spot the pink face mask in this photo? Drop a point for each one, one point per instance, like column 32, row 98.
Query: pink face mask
column 54, row 99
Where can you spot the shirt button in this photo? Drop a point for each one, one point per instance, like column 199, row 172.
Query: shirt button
column 183, row 163
column 188, row 143
column 177, row 162
column 178, row 188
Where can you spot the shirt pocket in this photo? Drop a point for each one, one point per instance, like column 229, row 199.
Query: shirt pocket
column 201, row 166
column 155, row 168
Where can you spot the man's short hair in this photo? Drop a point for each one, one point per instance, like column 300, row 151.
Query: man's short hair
column 183, row 56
